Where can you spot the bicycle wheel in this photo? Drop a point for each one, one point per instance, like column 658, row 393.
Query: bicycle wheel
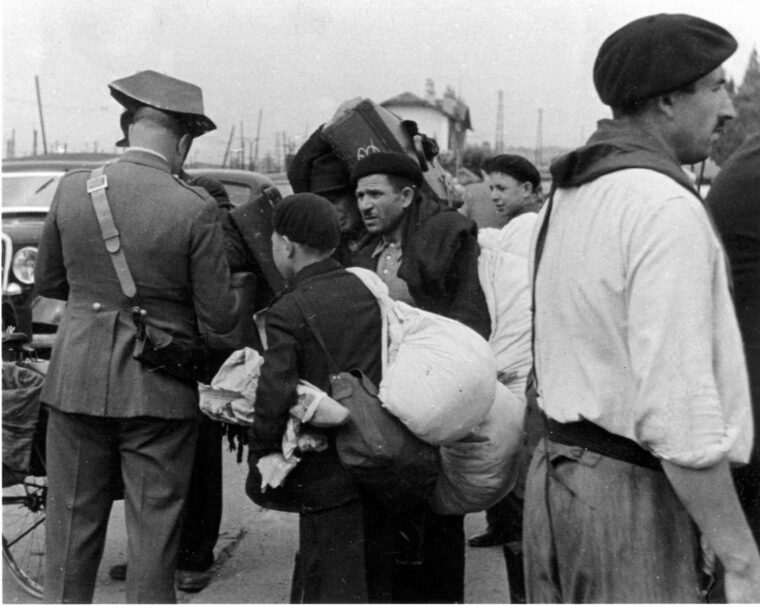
column 24, row 532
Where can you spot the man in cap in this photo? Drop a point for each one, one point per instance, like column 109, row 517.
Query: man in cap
column 427, row 255
column 639, row 360
column 333, row 546
column 734, row 201
column 515, row 184
column 111, row 416
column 317, row 169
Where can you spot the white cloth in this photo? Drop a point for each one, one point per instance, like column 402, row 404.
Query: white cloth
column 635, row 329
column 504, row 279
column 514, row 237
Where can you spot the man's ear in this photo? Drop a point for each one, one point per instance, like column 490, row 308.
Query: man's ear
column 407, row 196
column 183, row 145
column 665, row 104
column 290, row 246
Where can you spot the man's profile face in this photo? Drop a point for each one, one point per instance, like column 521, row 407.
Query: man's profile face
column 700, row 117
column 344, row 203
column 508, row 194
column 380, row 205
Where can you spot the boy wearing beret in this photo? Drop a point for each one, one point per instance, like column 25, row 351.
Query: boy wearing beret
column 334, row 549
column 639, row 363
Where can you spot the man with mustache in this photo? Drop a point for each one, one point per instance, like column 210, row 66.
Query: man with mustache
column 427, row 255
column 638, row 357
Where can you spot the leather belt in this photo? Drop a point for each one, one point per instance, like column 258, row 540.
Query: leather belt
column 597, row 439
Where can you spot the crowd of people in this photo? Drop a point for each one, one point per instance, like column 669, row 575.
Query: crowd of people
column 633, row 483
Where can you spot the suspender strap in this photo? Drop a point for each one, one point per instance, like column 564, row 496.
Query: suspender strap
column 96, row 188
column 309, row 316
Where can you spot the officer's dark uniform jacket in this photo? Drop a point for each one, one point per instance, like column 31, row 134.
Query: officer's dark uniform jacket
column 348, row 317
column 174, row 246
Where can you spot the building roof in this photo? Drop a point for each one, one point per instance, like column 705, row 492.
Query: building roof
column 408, row 99
column 451, row 107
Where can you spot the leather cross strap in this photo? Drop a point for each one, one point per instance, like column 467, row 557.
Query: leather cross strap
column 96, row 188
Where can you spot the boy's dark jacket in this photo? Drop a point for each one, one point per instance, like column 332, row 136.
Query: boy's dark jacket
column 348, row 317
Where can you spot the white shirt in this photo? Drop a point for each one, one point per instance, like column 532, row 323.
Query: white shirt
column 635, row 328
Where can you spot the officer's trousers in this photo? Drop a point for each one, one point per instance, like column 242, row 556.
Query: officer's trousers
column 85, row 455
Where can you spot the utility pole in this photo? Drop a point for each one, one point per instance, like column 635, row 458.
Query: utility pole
column 227, row 150
column 540, row 138
column 34, row 143
column 258, row 133
column 42, row 121
column 242, row 146
column 499, row 138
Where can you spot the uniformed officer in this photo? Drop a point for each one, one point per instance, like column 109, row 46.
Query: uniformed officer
column 109, row 415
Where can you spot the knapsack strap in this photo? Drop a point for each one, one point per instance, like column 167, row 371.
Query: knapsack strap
column 96, row 188
column 309, row 316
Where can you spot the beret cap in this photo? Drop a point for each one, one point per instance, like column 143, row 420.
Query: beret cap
column 658, row 54
column 307, row 219
column 329, row 173
column 515, row 166
column 177, row 97
column 387, row 163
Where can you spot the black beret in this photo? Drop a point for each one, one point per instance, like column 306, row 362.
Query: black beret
column 307, row 219
column 329, row 173
column 515, row 166
column 658, row 54
column 387, row 163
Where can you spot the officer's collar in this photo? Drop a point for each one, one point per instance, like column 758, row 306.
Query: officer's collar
column 146, row 157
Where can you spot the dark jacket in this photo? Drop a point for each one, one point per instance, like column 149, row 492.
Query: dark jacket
column 734, row 201
column 439, row 264
column 174, row 247
column 348, row 317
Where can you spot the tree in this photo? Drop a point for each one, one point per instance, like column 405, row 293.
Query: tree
column 747, row 104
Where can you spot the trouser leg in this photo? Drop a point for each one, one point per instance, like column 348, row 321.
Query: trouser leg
column 331, row 555
column 601, row 530
column 438, row 578
column 156, row 459
column 81, row 464
column 203, row 507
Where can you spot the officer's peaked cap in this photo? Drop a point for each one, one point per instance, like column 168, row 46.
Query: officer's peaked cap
column 177, row 97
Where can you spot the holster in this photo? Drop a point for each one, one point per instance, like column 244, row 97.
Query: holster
column 159, row 351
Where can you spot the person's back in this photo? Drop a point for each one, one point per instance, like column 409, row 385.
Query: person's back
column 159, row 222
column 332, row 540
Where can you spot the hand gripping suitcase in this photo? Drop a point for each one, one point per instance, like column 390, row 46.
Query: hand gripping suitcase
column 361, row 127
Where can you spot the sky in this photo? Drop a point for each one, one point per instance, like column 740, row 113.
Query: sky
column 295, row 61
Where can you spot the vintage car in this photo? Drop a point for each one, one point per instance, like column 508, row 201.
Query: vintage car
column 28, row 188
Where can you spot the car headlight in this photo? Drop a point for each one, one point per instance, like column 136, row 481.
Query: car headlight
column 23, row 264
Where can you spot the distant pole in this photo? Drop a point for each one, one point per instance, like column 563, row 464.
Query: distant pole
column 42, row 121
column 34, row 143
column 540, row 138
column 258, row 133
column 229, row 143
column 242, row 146
column 499, row 138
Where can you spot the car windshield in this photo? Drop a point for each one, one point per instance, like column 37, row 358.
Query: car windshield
column 29, row 189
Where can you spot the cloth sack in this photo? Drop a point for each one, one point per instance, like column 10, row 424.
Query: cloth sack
column 482, row 468
column 384, row 457
column 439, row 376
column 504, row 280
column 21, row 413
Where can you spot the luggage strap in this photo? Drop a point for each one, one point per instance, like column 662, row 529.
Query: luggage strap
column 96, row 188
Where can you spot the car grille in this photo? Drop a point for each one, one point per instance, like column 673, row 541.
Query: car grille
column 7, row 256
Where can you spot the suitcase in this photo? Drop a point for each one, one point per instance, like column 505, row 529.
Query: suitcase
column 361, row 127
